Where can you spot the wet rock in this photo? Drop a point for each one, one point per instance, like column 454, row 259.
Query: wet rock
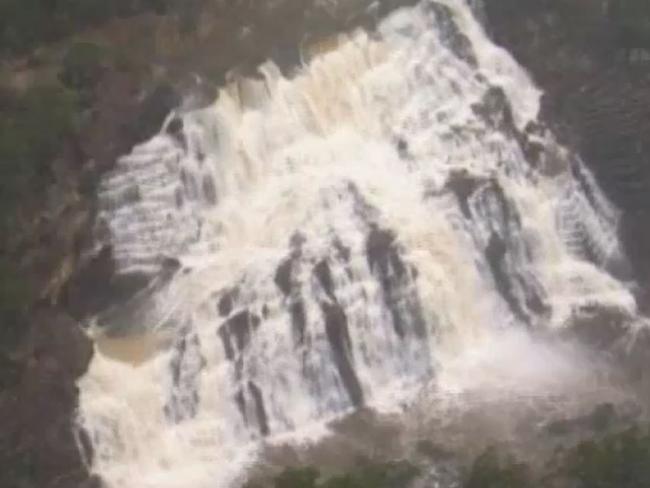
column 224, row 333
column 598, row 326
column 402, row 148
column 342, row 251
column 170, row 265
column 260, row 410
column 336, row 328
column 175, row 129
column 324, row 275
column 186, row 365
column 209, row 190
column 452, row 37
column 152, row 112
column 396, row 282
column 175, row 126
column 495, row 254
column 240, row 400
column 131, row 304
column 226, row 302
column 463, row 184
column 94, row 286
column 293, row 299
column 495, row 110
column 298, row 321
column 198, row 92
column 534, row 298
column 178, row 198
column 236, row 332
column 381, row 252
column 240, row 326
column 283, row 276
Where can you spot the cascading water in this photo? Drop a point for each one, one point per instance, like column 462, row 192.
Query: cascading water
column 338, row 239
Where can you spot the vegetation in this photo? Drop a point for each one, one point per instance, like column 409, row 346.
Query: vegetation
column 25, row 24
column 83, row 64
column 33, row 129
column 492, row 470
column 631, row 19
column 366, row 475
column 617, row 460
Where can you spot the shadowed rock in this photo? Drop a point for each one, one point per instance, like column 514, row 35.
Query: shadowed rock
column 400, row 296
column 336, row 328
column 260, row 410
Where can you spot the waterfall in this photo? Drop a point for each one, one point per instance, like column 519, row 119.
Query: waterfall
column 335, row 240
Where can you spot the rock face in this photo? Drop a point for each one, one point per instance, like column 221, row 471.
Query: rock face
column 37, row 402
column 592, row 58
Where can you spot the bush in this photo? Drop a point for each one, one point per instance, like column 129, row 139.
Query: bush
column 15, row 296
column 620, row 460
column 33, row 127
column 491, row 470
column 387, row 475
column 631, row 19
column 367, row 475
column 297, row 478
column 83, row 64
column 617, row 460
column 24, row 24
column 32, row 131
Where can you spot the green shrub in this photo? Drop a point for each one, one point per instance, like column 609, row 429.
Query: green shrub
column 24, row 24
column 631, row 19
column 15, row 296
column 620, row 460
column 297, row 478
column 34, row 129
column 491, row 470
column 83, row 64
column 617, row 460
column 367, row 475
column 385, row 475
column 32, row 132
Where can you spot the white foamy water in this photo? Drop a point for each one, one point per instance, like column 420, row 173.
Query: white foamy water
column 344, row 237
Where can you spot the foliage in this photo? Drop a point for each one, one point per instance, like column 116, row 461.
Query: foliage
column 631, row 19
column 83, row 64
column 32, row 132
column 620, row 460
column 386, row 475
column 297, row 478
column 14, row 296
column 490, row 470
column 366, row 475
column 20, row 466
column 33, row 128
column 616, row 460
column 24, row 24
